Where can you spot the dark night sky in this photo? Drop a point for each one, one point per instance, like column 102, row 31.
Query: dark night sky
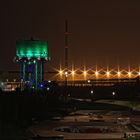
column 101, row 31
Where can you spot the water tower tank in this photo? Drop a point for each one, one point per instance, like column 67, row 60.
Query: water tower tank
column 31, row 55
column 32, row 49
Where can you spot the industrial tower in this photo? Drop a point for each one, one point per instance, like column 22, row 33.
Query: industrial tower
column 31, row 55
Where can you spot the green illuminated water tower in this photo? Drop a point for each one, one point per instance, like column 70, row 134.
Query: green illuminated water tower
column 31, row 55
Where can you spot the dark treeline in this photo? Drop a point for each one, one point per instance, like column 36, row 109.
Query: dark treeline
column 19, row 110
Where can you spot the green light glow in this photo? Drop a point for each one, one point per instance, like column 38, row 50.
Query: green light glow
column 32, row 48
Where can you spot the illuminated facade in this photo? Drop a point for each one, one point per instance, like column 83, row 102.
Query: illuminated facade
column 31, row 55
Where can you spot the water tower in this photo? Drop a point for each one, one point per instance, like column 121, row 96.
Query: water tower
column 31, row 56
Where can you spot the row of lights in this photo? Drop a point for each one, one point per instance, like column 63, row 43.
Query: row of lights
column 29, row 58
column 97, row 73
column 92, row 92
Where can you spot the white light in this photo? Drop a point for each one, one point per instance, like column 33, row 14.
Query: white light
column 91, row 91
column 88, row 81
column 66, row 73
column 2, row 83
column 113, row 93
column 48, row 88
column 49, row 81
column 13, row 89
column 139, row 73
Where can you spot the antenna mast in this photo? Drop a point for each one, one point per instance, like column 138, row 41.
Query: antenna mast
column 66, row 53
